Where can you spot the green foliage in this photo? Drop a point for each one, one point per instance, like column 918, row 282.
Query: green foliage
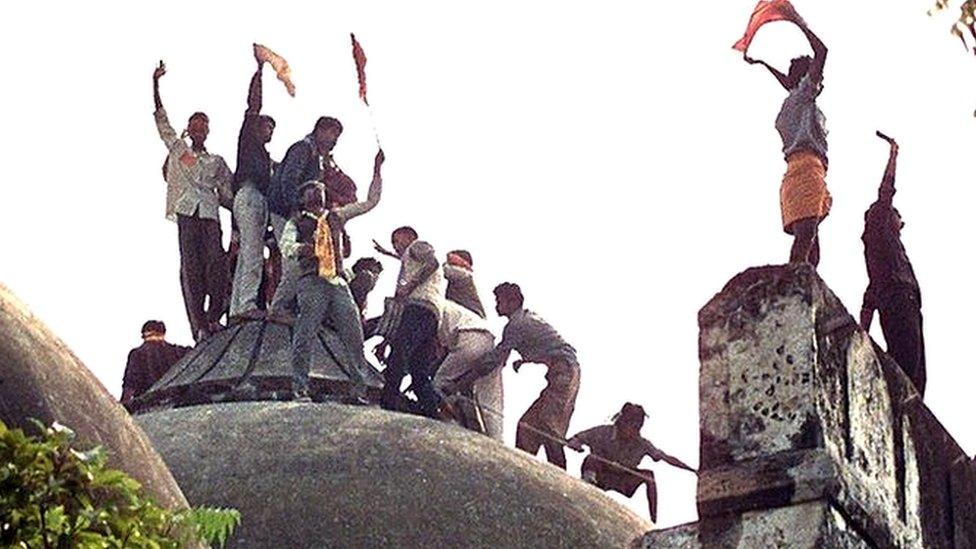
column 55, row 496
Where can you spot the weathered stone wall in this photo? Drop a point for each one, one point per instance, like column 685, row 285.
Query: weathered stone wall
column 799, row 406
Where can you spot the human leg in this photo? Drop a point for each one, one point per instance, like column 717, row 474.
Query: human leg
column 312, row 308
column 191, row 272
column 251, row 216
column 804, row 238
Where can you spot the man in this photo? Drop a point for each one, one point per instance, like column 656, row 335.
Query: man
column 251, row 180
column 467, row 339
column 149, row 361
column 804, row 199
column 302, row 163
column 545, row 423
column 458, row 271
column 311, row 239
column 198, row 183
column 893, row 290
column 461, row 289
column 418, row 295
column 622, row 446
column 365, row 272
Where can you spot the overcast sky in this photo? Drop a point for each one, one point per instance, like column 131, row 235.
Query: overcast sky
column 619, row 162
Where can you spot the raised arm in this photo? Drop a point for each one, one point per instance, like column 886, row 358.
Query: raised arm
column 157, row 74
column 372, row 195
column 819, row 54
column 254, row 97
column 888, row 182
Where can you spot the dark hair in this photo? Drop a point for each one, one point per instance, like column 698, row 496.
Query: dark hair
column 510, row 290
column 268, row 119
column 326, row 122
column 153, row 326
column 199, row 114
column 367, row 264
column 630, row 412
column 465, row 255
column 405, row 230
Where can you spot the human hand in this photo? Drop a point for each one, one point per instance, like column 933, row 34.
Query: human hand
column 517, row 364
column 160, row 70
column 574, row 444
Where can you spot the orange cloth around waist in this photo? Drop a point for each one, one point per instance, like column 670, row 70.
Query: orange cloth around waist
column 803, row 193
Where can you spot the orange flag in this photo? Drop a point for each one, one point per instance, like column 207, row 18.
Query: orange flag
column 278, row 63
column 767, row 11
column 359, row 56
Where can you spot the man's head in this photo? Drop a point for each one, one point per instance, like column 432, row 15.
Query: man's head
column 198, row 128
column 402, row 238
column 326, row 133
column 367, row 264
column 264, row 128
column 460, row 258
column 799, row 67
column 153, row 329
column 629, row 420
column 311, row 196
column 508, row 298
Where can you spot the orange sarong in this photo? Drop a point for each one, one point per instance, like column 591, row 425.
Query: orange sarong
column 803, row 193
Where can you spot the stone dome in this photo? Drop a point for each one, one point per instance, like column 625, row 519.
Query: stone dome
column 41, row 378
column 332, row 475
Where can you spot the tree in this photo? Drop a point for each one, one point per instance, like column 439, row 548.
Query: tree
column 55, row 496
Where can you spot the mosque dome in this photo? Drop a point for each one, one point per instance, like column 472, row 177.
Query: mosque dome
column 333, row 475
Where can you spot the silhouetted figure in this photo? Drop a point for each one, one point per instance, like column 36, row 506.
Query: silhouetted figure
column 459, row 273
column 804, row 199
column 312, row 239
column 302, row 162
column 892, row 289
column 546, row 421
column 413, row 346
column 198, row 183
column 251, row 186
column 622, row 444
column 365, row 272
column 149, row 361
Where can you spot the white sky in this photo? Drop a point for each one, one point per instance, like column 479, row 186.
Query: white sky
column 619, row 162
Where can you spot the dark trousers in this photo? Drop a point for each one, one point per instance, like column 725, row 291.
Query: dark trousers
column 901, row 323
column 203, row 271
column 412, row 351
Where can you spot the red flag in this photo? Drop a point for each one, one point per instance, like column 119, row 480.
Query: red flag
column 360, row 58
column 767, row 11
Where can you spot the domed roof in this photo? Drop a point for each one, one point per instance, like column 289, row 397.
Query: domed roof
column 41, row 378
column 250, row 361
column 331, row 475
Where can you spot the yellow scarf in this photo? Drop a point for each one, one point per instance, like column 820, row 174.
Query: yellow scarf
column 324, row 250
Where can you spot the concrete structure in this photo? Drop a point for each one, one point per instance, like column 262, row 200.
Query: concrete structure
column 810, row 435
column 333, row 475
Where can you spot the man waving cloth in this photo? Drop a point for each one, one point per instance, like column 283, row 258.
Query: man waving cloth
column 804, row 199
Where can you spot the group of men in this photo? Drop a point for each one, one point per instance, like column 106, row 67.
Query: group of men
column 434, row 328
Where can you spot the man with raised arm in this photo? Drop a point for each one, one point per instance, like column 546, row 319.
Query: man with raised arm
column 892, row 289
column 617, row 450
column 312, row 238
column 804, row 199
column 251, row 181
column 198, row 183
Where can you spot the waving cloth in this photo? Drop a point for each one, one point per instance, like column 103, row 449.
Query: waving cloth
column 359, row 56
column 767, row 11
column 279, row 65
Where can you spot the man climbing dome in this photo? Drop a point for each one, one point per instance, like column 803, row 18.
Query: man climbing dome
column 615, row 453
